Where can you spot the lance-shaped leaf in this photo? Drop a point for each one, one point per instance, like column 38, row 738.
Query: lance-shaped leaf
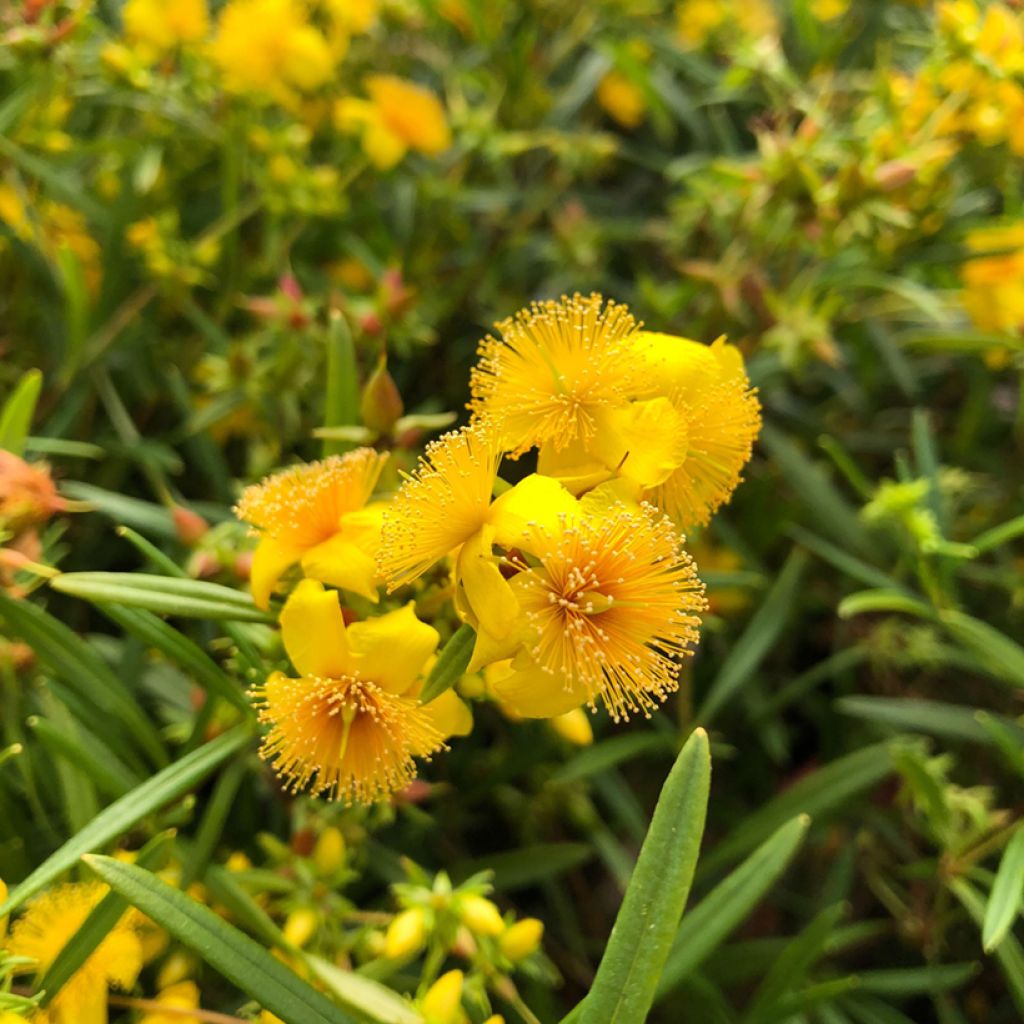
column 1007, row 894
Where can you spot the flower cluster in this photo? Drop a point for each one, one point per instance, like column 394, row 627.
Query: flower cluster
column 574, row 580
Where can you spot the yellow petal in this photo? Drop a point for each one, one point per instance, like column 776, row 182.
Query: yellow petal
column 314, row 632
column 534, row 693
column 616, row 493
column 487, row 592
column 382, row 146
column 571, row 466
column 488, row 648
column 392, row 649
column 449, row 715
column 341, row 563
column 269, row 561
column 535, row 502
column 643, row 441
column 670, row 364
column 363, row 526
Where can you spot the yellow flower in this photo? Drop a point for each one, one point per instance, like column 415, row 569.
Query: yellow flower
column 622, row 98
column 829, row 10
column 158, row 27
column 13, row 213
column 406, row 934
column 442, row 1003
column 354, row 16
column 350, row 724
column 442, row 505
column 522, row 938
column 184, row 995
column 269, row 47
column 397, row 117
column 43, row 931
column 574, row 727
column 318, row 515
column 480, row 915
column 555, row 366
column 610, row 603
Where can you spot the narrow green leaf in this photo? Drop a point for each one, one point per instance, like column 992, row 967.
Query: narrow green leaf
column 842, row 560
column 790, row 969
column 527, row 865
column 712, row 920
column 17, row 412
column 180, row 649
column 146, row 516
column 450, row 665
column 225, row 888
column 1009, row 952
column 1007, row 896
column 999, row 535
column 627, row 977
column 757, row 639
column 912, row 981
column 76, row 662
column 212, row 825
column 1003, row 656
column 363, row 996
column 88, row 753
column 950, row 721
column 168, row 595
column 96, row 926
column 816, row 794
column 611, row 752
column 167, row 785
column 341, row 404
column 883, row 600
column 230, row 952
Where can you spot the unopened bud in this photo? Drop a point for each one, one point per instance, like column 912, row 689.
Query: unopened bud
column 496, row 1019
column 574, row 727
column 894, row 174
column 300, row 926
column 329, row 852
column 190, row 526
column 442, row 1003
column 381, row 406
column 481, row 916
column 522, row 939
column 407, row 934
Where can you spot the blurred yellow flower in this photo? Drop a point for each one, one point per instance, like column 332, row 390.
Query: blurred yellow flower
column 829, row 10
column 158, row 26
column 397, row 117
column 183, row 995
column 698, row 20
column 317, row 515
column 994, row 280
column 349, row 726
column 354, row 16
column 269, row 47
column 522, row 938
column 406, row 934
column 442, row 1002
column 622, row 99
column 45, row 928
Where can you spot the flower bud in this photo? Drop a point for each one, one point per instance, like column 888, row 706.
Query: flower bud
column 190, row 526
column 522, row 939
column 481, row 916
column 574, row 727
column 496, row 1019
column 441, row 1004
column 407, row 934
column 300, row 926
column 381, row 406
column 3, row 899
column 329, row 852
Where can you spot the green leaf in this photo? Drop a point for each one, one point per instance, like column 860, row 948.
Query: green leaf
column 450, row 665
column 842, row 560
column 627, row 977
column 168, row 595
column 1003, row 656
column 712, row 920
column 884, row 599
column 362, row 995
column 167, row 785
column 760, row 636
column 790, row 969
column 950, row 721
column 1009, row 952
column 817, row 794
column 912, row 981
column 76, row 662
column 230, row 952
column 88, row 753
column 17, row 412
column 528, row 865
column 998, row 535
column 611, row 752
column 341, row 405
column 142, row 515
column 1007, row 896
column 95, row 928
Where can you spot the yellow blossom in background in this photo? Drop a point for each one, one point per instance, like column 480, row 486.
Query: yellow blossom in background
column 355, row 16
column 13, row 212
column 50, row 920
column 522, row 938
column 829, row 10
column 442, row 1003
column 554, row 367
column 159, row 26
column 620, row 96
column 183, row 995
column 698, row 20
column 397, row 116
column 269, row 47
column 994, row 280
column 317, row 515
column 350, row 725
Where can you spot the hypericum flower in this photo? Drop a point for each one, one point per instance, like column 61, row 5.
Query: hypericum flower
column 157, row 27
column 611, row 603
column 555, row 366
column 269, row 47
column 397, row 117
column 440, row 506
column 317, row 514
column 683, row 440
column 351, row 723
column 43, row 931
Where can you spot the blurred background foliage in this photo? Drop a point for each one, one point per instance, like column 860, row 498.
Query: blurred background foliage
column 189, row 230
